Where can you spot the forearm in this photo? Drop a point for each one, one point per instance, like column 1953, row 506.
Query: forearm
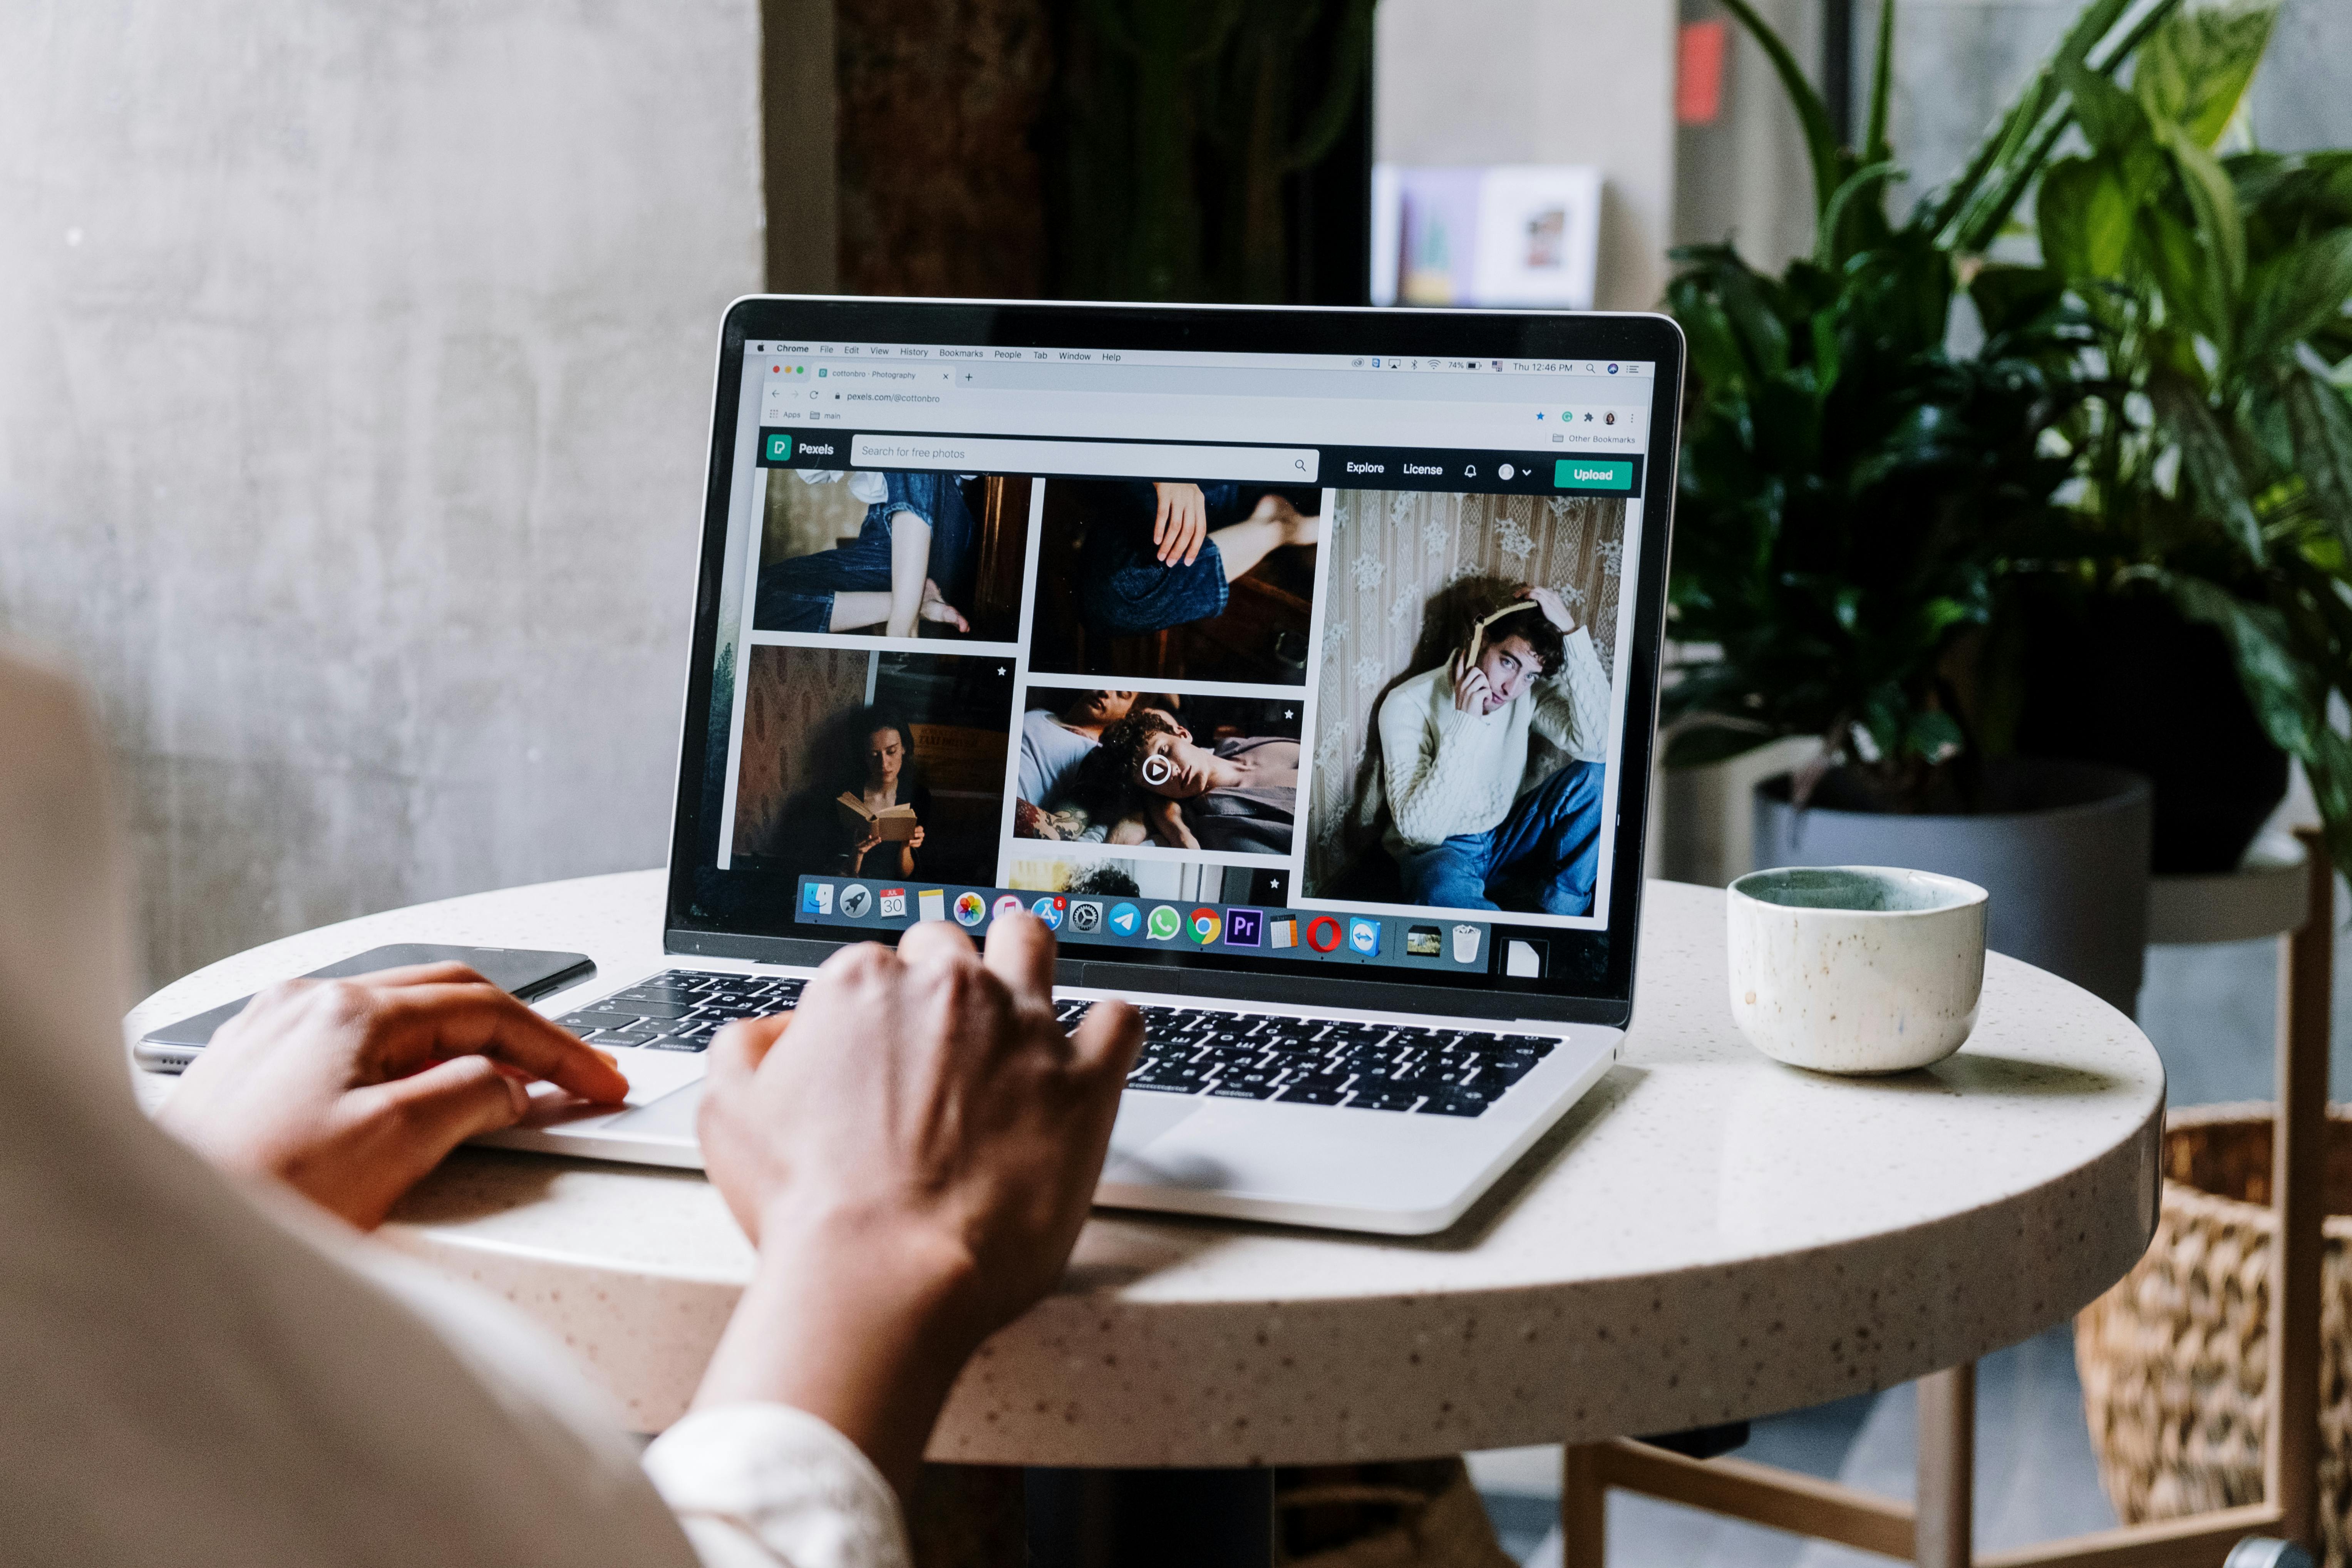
column 863, row 1326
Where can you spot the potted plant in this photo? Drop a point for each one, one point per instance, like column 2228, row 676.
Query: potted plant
column 2213, row 528
column 1854, row 499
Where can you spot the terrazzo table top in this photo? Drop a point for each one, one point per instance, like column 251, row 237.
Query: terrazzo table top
column 1706, row 1236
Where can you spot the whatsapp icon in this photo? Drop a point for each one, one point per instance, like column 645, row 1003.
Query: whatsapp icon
column 1165, row 923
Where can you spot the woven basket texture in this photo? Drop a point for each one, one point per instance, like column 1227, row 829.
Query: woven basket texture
column 2175, row 1358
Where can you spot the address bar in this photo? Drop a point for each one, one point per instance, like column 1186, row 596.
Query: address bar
column 1118, row 459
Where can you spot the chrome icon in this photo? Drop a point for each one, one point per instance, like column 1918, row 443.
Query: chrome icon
column 1204, row 926
column 971, row 908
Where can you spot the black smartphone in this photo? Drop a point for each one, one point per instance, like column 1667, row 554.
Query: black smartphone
column 525, row 971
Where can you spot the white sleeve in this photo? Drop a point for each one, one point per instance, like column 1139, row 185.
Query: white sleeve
column 1571, row 708
column 756, row 1486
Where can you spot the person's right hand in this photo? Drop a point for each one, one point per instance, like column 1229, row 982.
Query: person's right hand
column 913, row 1151
column 1470, row 687
column 1182, row 525
column 350, row 1090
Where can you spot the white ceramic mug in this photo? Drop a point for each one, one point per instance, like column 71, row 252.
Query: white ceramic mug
column 1855, row 969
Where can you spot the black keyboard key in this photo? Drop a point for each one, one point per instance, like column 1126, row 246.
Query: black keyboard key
column 1384, row 1097
column 644, row 1009
column 673, row 1043
column 1454, row 1102
column 588, row 1022
column 1238, row 1089
column 1313, row 1092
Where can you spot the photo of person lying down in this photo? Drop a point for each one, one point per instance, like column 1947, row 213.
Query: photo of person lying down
column 1476, row 704
column 1175, row 580
column 1191, row 772
column 892, row 555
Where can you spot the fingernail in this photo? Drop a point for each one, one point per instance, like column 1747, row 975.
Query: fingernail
column 608, row 1059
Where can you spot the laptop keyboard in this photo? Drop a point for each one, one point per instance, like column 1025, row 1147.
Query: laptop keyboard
column 1186, row 1050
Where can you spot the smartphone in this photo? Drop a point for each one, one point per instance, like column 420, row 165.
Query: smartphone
column 524, row 972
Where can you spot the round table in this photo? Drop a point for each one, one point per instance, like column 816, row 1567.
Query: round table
column 1706, row 1236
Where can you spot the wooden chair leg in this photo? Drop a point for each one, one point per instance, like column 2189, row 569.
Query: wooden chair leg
column 2298, row 1188
column 1583, row 1507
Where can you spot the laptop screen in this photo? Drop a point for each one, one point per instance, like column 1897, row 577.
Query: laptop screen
column 1305, row 664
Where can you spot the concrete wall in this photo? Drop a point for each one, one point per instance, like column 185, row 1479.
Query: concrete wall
column 355, row 384
column 1543, row 82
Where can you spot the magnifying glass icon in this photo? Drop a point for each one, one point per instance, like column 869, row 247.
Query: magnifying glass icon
column 1298, row 463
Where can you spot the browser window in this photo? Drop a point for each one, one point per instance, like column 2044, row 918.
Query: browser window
column 1295, row 659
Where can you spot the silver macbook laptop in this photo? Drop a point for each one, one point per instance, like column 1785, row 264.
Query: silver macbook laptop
column 1298, row 666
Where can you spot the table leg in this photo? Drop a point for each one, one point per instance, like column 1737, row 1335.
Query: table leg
column 1150, row 1519
column 1948, row 1445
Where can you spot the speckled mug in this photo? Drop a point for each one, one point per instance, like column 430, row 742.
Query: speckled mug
column 1855, row 969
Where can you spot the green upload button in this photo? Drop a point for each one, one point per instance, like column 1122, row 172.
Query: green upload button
column 1584, row 473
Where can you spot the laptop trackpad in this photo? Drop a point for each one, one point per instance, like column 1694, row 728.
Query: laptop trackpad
column 1143, row 1118
column 671, row 1116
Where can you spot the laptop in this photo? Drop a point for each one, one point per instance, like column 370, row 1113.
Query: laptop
column 1298, row 666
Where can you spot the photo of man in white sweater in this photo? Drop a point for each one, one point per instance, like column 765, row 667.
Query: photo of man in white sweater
column 1467, row 826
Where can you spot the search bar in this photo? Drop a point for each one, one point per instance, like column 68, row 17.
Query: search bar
column 1113, row 460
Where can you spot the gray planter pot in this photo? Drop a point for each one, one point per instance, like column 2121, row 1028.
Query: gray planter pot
column 2064, row 853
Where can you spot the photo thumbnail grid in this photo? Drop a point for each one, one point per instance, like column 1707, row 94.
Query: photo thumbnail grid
column 1240, row 750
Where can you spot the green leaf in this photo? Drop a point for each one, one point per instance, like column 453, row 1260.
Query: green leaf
column 2191, row 290
column 2319, row 419
column 1829, row 249
column 2215, row 202
column 2020, row 136
column 1812, row 113
column 2284, row 698
column 2010, row 299
column 2109, row 116
column 2193, row 72
column 2206, row 457
column 1935, row 735
column 1875, row 146
column 2086, row 218
column 2294, row 294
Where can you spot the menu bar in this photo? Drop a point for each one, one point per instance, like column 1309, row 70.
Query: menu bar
column 1385, row 364
column 1532, row 470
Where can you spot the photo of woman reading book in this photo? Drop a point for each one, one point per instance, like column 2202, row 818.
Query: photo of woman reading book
column 875, row 763
column 873, row 825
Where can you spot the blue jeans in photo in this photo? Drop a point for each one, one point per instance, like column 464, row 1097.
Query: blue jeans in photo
column 1552, row 831
column 796, row 595
column 1124, row 588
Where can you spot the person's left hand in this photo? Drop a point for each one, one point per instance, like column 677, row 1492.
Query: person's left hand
column 1554, row 608
column 350, row 1090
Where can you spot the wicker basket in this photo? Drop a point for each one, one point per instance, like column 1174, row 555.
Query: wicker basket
column 2175, row 1358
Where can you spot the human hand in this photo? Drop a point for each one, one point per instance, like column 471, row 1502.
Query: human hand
column 913, row 1151
column 1181, row 524
column 1554, row 608
column 915, row 839
column 1470, row 687
column 873, row 836
column 350, row 1090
